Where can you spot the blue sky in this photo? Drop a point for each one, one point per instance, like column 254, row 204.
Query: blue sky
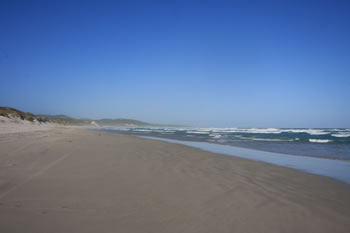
column 201, row 63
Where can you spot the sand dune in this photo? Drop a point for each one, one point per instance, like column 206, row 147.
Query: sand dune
column 75, row 180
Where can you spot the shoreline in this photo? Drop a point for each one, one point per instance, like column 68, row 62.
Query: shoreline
column 80, row 180
column 227, row 144
column 338, row 169
column 275, row 142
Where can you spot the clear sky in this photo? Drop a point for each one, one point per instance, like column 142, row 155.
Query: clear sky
column 201, row 63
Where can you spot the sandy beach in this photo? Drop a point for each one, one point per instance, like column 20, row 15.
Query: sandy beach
column 76, row 180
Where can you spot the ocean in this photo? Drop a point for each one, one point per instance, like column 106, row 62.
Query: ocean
column 324, row 143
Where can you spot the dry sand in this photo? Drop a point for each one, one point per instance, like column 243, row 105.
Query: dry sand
column 16, row 125
column 74, row 180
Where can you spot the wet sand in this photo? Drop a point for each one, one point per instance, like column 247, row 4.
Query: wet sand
column 75, row 180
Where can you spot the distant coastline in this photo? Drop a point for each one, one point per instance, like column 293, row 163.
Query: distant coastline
column 67, row 120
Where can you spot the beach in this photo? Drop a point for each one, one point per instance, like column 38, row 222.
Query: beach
column 64, row 179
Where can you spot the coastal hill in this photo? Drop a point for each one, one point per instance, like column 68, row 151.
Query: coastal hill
column 126, row 122
column 67, row 120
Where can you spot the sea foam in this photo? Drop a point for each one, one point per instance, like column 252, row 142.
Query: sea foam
column 341, row 135
column 319, row 140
